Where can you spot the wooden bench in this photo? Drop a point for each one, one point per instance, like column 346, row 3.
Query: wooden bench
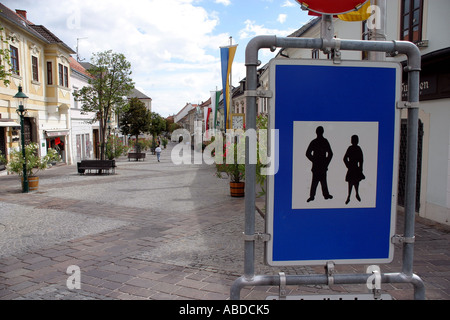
column 99, row 165
column 136, row 155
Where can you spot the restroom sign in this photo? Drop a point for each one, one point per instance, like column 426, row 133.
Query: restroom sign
column 334, row 195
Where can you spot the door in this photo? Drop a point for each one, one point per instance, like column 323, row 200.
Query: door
column 28, row 133
column 96, row 144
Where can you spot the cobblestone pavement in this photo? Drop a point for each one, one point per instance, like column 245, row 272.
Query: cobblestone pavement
column 157, row 231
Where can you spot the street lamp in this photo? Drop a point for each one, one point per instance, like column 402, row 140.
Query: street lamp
column 22, row 99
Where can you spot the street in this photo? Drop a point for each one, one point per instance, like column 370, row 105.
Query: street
column 157, row 231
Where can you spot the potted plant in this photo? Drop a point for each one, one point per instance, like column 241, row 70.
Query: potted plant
column 115, row 148
column 34, row 163
column 235, row 170
column 164, row 142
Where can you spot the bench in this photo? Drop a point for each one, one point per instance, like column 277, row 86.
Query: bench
column 99, row 165
column 136, row 155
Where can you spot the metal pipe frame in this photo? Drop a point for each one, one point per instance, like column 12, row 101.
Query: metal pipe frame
column 413, row 68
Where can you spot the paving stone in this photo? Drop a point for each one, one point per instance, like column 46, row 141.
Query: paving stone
column 160, row 232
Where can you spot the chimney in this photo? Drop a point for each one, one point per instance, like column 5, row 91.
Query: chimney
column 22, row 13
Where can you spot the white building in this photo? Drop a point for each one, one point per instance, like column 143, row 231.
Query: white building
column 84, row 133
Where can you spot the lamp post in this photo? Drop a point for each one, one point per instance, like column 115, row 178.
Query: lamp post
column 22, row 98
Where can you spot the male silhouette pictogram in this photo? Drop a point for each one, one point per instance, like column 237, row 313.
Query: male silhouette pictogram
column 320, row 154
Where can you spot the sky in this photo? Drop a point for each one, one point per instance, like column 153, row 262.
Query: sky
column 173, row 45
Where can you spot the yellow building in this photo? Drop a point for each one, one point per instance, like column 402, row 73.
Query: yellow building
column 40, row 64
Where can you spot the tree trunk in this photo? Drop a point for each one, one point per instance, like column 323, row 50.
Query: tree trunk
column 137, row 148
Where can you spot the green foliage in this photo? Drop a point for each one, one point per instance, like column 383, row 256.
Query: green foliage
column 171, row 127
column 34, row 162
column 140, row 145
column 135, row 118
column 164, row 142
column 235, row 169
column 5, row 71
column 157, row 124
column 115, row 147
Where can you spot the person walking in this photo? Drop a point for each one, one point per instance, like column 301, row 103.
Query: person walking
column 320, row 154
column 353, row 160
column 158, row 153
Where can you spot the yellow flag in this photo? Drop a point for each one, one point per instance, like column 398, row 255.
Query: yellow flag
column 359, row 15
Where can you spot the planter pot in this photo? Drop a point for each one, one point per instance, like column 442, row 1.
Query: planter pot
column 33, row 183
column 237, row 189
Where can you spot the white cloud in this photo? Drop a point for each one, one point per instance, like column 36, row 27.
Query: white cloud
column 288, row 3
column 282, row 18
column 252, row 30
column 224, row 2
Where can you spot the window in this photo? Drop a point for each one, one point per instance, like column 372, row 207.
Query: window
column 14, row 60
column 49, row 73
column 75, row 101
column 66, row 77
column 411, row 20
column 35, row 69
column 61, row 74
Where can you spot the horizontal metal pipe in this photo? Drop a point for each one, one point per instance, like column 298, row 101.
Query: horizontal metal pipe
column 274, row 280
column 260, row 42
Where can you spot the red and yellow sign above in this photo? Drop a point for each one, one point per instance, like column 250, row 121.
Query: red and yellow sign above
column 332, row 7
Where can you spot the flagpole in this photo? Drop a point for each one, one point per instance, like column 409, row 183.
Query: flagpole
column 231, row 88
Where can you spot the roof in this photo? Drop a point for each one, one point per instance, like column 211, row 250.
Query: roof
column 76, row 66
column 135, row 93
column 311, row 23
column 37, row 31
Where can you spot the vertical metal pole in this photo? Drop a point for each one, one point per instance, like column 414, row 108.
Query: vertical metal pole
column 250, row 178
column 25, row 187
column 411, row 171
column 378, row 32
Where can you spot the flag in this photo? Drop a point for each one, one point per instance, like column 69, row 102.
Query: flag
column 206, row 112
column 215, row 97
column 227, row 57
column 362, row 14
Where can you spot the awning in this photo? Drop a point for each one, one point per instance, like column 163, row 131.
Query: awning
column 56, row 133
column 9, row 123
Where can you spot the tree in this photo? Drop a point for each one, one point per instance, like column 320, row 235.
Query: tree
column 109, row 86
column 135, row 119
column 157, row 124
column 171, row 126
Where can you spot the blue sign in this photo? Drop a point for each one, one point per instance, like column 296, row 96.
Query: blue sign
column 334, row 195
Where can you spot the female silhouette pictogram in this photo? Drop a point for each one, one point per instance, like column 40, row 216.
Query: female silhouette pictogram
column 353, row 160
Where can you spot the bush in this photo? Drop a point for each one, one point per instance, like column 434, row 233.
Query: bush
column 115, row 148
column 34, row 162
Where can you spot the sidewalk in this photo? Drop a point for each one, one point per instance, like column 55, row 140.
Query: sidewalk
column 157, row 231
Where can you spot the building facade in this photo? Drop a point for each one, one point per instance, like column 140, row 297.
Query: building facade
column 84, row 132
